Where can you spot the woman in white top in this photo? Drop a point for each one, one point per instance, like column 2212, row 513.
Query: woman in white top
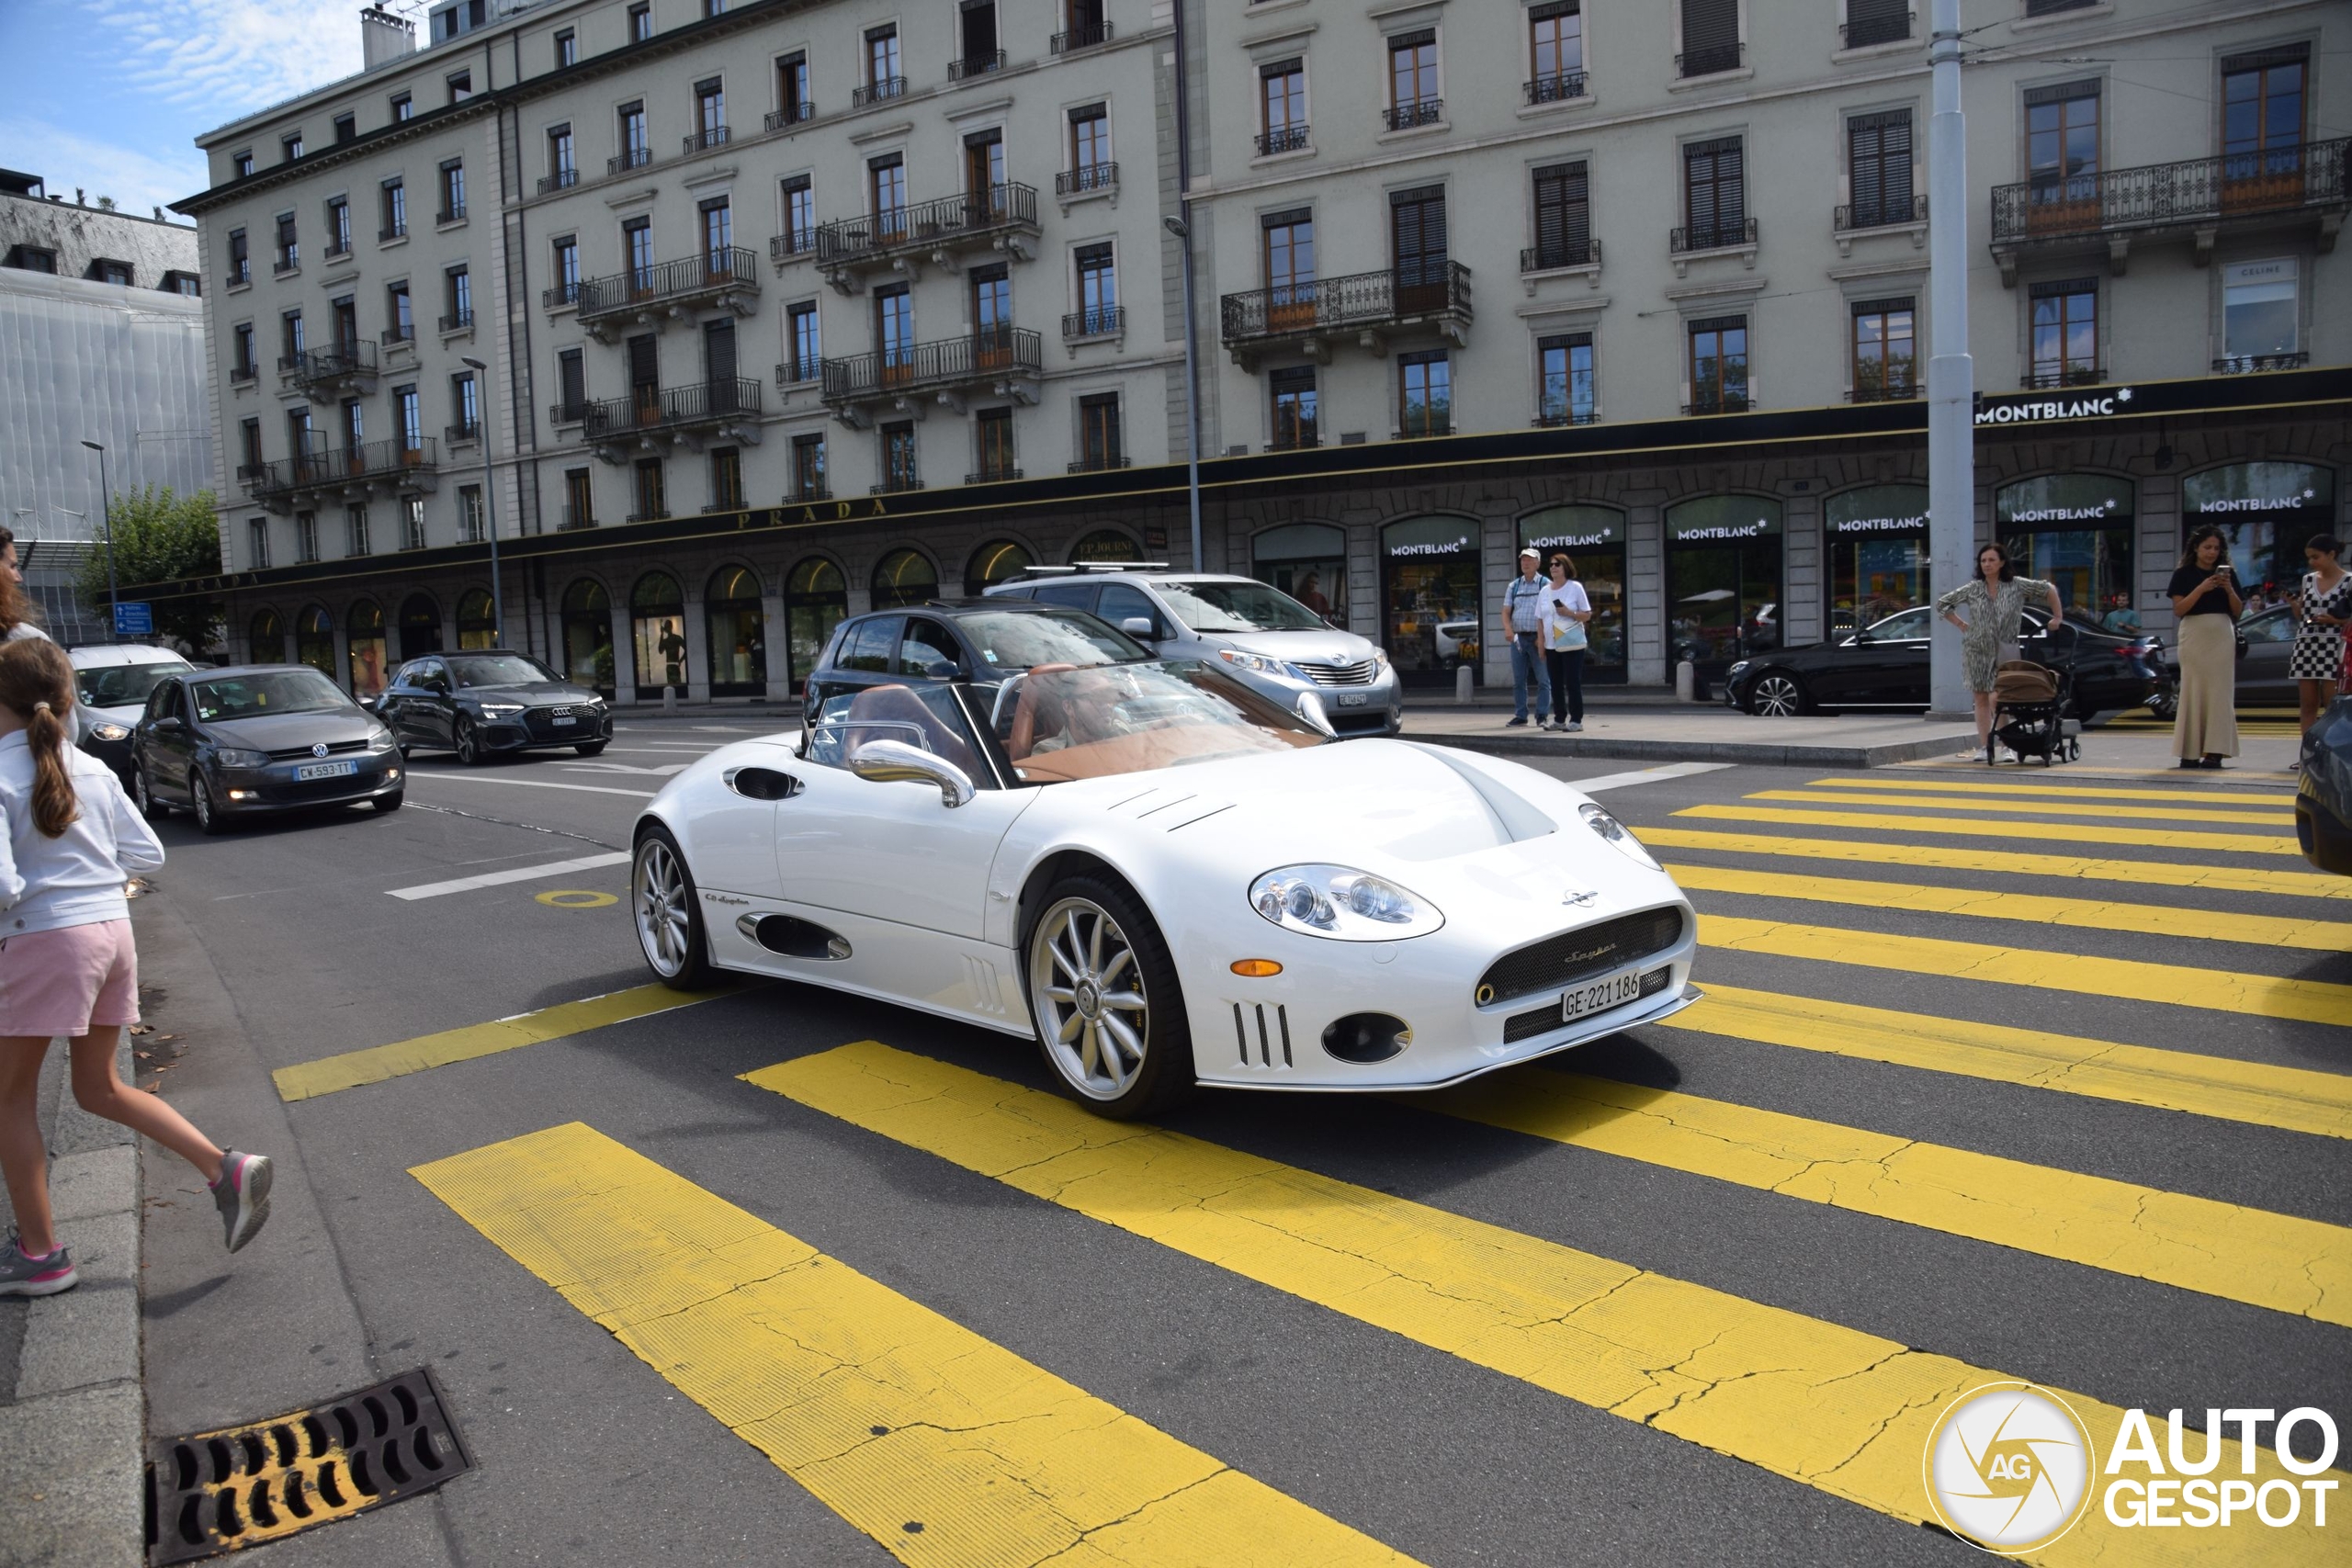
column 1565, row 610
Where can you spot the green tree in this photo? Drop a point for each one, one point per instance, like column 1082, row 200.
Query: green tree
column 161, row 537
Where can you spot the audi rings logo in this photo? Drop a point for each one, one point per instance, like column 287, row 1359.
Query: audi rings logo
column 2008, row 1467
column 318, row 747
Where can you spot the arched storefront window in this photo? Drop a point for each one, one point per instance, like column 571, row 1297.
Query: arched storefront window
column 1309, row 562
column 1431, row 597
column 1877, row 554
column 1106, row 545
column 2073, row 531
column 903, row 578
column 588, row 633
column 738, row 633
column 314, row 639
column 364, row 625
column 477, row 619
column 657, row 630
column 265, row 638
column 2266, row 511
column 1593, row 538
column 1723, row 580
column 420, row 626
column 816, row 597
column 996, row 561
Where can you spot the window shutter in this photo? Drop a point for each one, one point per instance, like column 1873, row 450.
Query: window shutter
column 718, row 353
column 1876, row 21
column 1563, row 214
column 1710, row 25
column 575, row 379
column 643, row 369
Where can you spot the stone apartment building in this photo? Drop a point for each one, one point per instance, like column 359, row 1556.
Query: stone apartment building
column 760, row 313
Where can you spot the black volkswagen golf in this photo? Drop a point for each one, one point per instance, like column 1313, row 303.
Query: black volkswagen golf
column 258, row 737
column 485, row 701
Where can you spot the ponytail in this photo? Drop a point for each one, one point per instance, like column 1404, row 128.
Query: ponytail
column 37, row 683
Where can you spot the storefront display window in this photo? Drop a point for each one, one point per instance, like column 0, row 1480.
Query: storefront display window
column 1434, row 607
column 2073, row 531
column 1723, row 580
column 902, row 578
column 1309, row 562
column 1877, row 554
column 588, row 633
column 265, row 639
column 998, row 560
column 314, row 640
column 1107, row 545
column 477, row 619
column 1593, row 537
column 420, row 626
column 816, row 597
column 657, row 628
column 738, row 633
column 2260, row 321
column 2265, row 511
column 364, row 624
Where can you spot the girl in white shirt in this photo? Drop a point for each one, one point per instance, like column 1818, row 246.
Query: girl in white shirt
column 68, row 968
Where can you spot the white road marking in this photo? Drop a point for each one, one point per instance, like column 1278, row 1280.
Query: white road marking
column 1646, row 775
column 512, row 873
column 662, row 770
column 526, row 784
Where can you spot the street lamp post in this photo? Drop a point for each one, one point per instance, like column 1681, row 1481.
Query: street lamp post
column 106, row 511
column 1951, row 374
column 488, row 505
column 1180, row 225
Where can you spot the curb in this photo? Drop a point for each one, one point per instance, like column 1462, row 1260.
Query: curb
column 1752, row 753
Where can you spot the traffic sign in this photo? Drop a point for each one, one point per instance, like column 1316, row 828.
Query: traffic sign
column 134, row 620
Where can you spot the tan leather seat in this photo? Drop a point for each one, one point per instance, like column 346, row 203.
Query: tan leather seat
column 1022, row 739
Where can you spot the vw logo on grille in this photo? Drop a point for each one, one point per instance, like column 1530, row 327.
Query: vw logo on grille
column 317, row 749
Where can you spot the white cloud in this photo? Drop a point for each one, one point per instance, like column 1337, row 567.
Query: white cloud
column 137, row 180
column 232, row 57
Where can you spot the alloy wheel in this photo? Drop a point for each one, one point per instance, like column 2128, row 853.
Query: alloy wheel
column 1774, row 696
column 468, row 750
column 658, row 897
column 200, row 797
column 1088, row 989
column 138, row 796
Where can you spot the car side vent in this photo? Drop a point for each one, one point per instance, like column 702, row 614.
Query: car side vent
column 1265, row 1030
column 793, row 936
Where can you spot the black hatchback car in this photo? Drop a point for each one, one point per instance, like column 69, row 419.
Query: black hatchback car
column 258, row 737
column 982, row 642
column 482, row 701
column 1885, row 665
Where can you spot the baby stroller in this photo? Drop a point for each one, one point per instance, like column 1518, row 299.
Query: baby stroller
column 2030, row 703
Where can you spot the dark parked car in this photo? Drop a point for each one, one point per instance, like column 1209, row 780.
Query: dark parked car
column 258, row 737
column 980, row 642
column 485, row 701
column 2324, row 792
column 1885, row 665
column 2265, row 639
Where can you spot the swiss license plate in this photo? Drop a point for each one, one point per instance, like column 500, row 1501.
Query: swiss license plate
column 566, row 720
column 310, row 770
column 1354, row 699
column 1600, row 995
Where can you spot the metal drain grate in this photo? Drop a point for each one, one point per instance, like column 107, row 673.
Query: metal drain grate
column 221, row 1490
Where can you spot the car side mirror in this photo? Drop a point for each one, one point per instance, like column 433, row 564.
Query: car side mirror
column 1310, row 708
column 1140, row 625
column 169, row 725
column 895, row 761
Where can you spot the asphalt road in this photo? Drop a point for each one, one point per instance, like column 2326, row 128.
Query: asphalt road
column 281, row 944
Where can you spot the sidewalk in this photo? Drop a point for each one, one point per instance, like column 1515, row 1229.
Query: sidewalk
column 1692, row 733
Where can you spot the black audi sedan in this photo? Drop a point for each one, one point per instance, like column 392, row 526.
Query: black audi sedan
column 1885, row 665
column 486, row 701
column 258, row 737
column 2324, row 791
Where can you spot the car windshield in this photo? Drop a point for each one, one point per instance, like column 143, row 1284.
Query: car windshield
column 270, row 691
column 500, row 670
column 1238, row 607
column 1022, row 640
column 1062, row 724
column 120, row 685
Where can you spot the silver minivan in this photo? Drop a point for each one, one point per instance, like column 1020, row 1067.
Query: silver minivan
column 1246, row 627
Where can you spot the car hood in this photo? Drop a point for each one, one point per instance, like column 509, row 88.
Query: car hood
column 538, row 694
column 284, row 731
column 121, row 713
column 1314, row 648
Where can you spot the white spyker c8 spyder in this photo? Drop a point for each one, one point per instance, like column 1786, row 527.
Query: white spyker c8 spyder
column 1167, row 880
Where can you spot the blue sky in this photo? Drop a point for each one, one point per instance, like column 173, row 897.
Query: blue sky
column 109, row 95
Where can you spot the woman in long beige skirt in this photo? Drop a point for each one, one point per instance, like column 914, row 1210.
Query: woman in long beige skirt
column 2205, row 602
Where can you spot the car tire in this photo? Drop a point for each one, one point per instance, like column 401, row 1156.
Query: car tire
column 2163, row 705
column 666, row 913
column 1775, row 695
column 590, row 749
column 209, row 819
column 1092, row 930
column 389, row 802
column 144, row 799
column 467, row 742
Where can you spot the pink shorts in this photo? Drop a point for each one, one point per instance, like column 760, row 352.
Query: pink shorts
column 66, row 983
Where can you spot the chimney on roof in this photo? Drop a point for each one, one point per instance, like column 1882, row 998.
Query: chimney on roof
column 78, row 199
column 383, row 37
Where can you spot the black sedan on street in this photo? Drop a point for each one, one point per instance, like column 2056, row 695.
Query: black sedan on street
column 982, row 642
column 2324, row 791
column 1885, row 665
column 256, row 738
column 485, row 701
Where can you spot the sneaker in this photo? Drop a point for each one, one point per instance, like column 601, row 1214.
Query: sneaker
column 242, row 1197
column 1515, row 724
column 21, row 1275
column 1576, row 726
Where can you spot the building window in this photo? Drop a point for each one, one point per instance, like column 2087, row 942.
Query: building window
column 1424, row 394
column 979, row 55
column 289, row 341
column 894, row 330
column 242, row 165
column 710, row 116
column 1097, row 294
column 250, row 433
column 641, row 23
column 1719, row 366
column 465, row 399
column 808, row 468
column 241, row 266
column 346, row 127
column 799, row 216
column 2051, row 7
column 718, row 233
column 2262, row 128
column 1289, row 254
column 561, row 169
column 289, row 253
column 804, row 352
column 1714, row 185
column 453, row 190
column 567, row 49
column 792, row 104
column 1870, row 22
column 726, row 479
column 1091, row 167
column 1884, row 350
column 1567, row 395
column 2061, row 149
column 395, row 211
column 882, row 77
column 1710, row 38
column 887, row 178
column 898, row 470
column 1416, row 230
column 578, row 499
column 637, row 244
column 338, row 227
column 1878, row 168
column 2261, row 318
column 355, row 520
column 408, row 410
column 2065, row 333
column 984, row 165
column 404, row 109
column 470, row 514
column 400, row 324
column 992, row 315
column 1563, row 217
column 412, row 523
column 992, row 443
column 635, row 150
column 1294, row 394
column 292, row 147
column 1099, row 444
column 1412, row 79
column 567, row 270
column 647, row 494
column 1556, row 50
column 571, row 386
column 1283, row 97
column 258, row 547
column 462, row 86
column 305, row 538
column 459, row 292
column 241, row 364
column 103, row 271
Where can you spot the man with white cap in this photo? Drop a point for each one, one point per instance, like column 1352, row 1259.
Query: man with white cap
column 1524, row 627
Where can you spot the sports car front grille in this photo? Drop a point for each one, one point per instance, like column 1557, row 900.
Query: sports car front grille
column 1527, row 1025
column 1560, row 961
column 1339, row 674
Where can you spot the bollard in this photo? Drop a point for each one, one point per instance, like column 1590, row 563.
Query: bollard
column 1462, row 684
column 1686, row 682
column 670, row 697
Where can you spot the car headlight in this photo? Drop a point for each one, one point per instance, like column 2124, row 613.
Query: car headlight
column 381, row 740
column 236, row 757
column 1620, row 836
column 1258, row 664
column 1379, row 660
column 1737, row 669
column 108, row 731
column 1339, row 902
column 500, row 710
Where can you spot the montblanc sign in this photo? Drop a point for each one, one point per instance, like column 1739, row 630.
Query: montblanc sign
column 2095, row 403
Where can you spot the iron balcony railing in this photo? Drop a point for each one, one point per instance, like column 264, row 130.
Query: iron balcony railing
column 669, row 282
column 981, row 356
column 792, row 242
column 1717, row 402
column 629, row 158
column 974, row 215
column 371, row 460
column 338, row 362
column 1102, row 321
column 557, row 296
column 1561, row 417
column 896, row 483
column 562, row 179
column 569, row 413
column 877, row 91
column 651, row 409
column 1360, row 300
column 1098, row 463
column 574, row 519
column 703, row 141
column 1288, row 139
column 1296, row 441
column 454, row 213
column 1560, row 253
column 457, row 434
column 2162, row 196
column 337, row 249
column 1556, row 88
column 399, row 337
column 973, row 65
column 2253, row 364
column 1888, row 390
column 1405, row 117
column 240, row 274
column 1892, row 28
column 798, row 371
column 1081, row 37
column 1709, row 61
column 1710, row 237
column 247, row 373
column 459, row 320
column 992, row 473
column 791, row 114
column 1103, row 175
column 390, row 231
column 284, row 264
column 2050, row 378
column 1857, row 215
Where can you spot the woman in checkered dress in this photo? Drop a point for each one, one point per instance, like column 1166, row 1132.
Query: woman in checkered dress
column 2323, row 607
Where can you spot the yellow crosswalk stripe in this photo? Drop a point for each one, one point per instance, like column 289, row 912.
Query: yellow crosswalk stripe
column 1976, row 827
column 2092, row 914
column 2292, row 1099
column 2278, row 1261
column 943, row 1446
column 2256, row 996
column 2248, row 818
column 1829, row 1407
column 2022, row 790
column 1971, row 857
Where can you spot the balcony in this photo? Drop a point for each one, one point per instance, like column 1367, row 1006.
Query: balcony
column 2199, row 199
column 396, row 230
column 454, row 213
column 569, row 413
column 1725, row 401
column 1562, row 416
column 459, row 320
column 973, row 65
column 1712, row 61
column 562, row 179
column 354, row 472
column 561, row 296
column 1076, row 39
column 1371, row 307
column 1002, row 218
column 2255, row 364
column 1559, row 88
column 1099, row 322
column 629, row 158
column 791, row 246
column 466, row 435
column 709, row 138
column 575, row 519
column 323, row 374
column 790, row 115
column 2050, row 378
column 1413, row 116
column 896, row 483
column 1002, row 362
column 792, row 373
column 1289, row 138
column 993, row 474
column 238, row 372
column 398, row 338
column 337, row 250
column 1098, row 463
column 1561, row 255
column 652, row 296
column 1087, row 179
column 876, row 91
column 653, row 418
column 1736, row 238
column 1903, row 215
column 284, row 264
column 240, row 275
column 1891, row 388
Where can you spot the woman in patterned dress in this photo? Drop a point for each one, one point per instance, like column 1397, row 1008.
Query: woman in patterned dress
column 1993, row 598
column 2323, row 607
